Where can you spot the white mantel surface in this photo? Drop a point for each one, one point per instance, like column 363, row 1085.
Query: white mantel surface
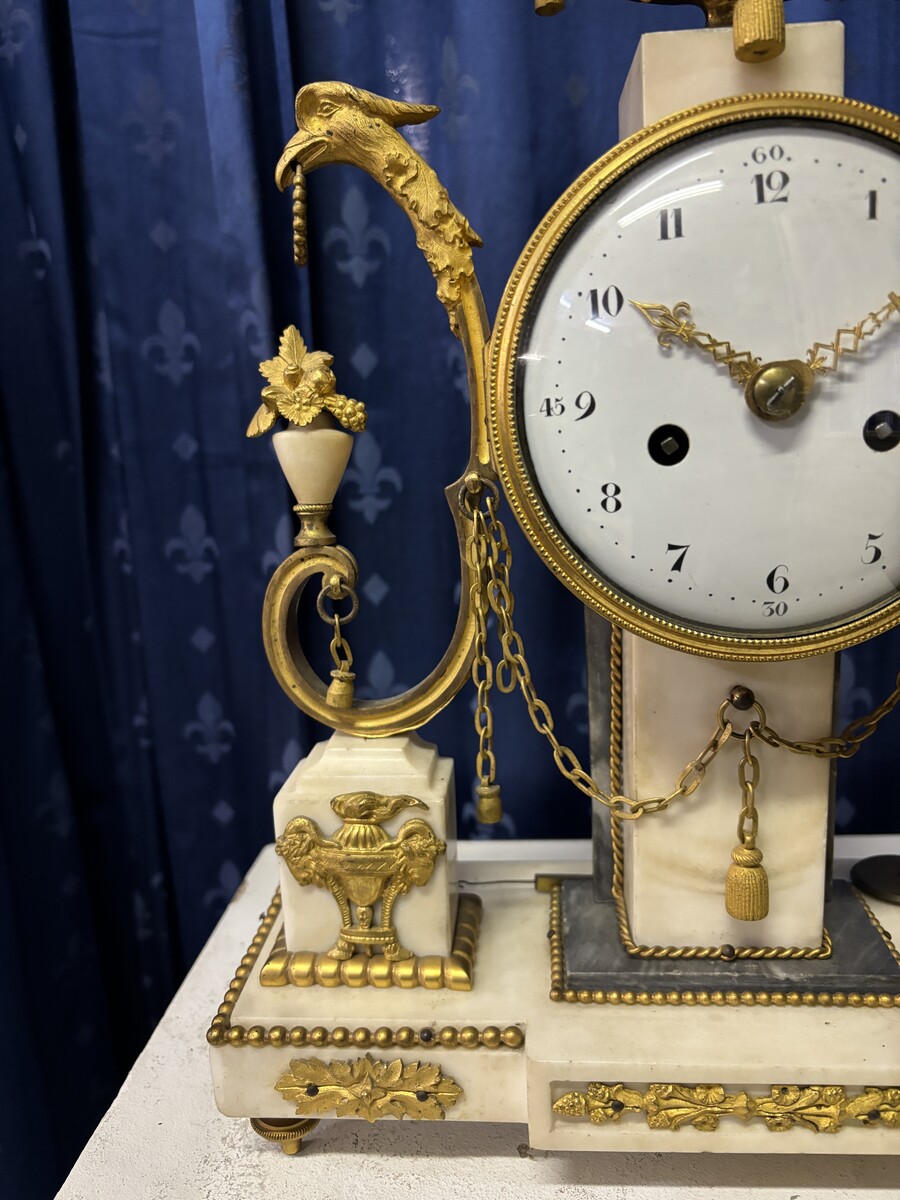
column 163, row 1138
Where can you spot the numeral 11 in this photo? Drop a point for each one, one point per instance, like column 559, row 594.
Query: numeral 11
column 670, row 228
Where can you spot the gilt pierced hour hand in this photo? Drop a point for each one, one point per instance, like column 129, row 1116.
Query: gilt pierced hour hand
column 823, row 357
column 675, row 323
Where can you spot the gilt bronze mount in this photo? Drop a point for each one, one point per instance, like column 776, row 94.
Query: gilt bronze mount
column 362, row 866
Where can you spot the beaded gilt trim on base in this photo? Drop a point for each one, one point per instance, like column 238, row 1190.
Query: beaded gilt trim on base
column 695, row 996
column 222, row 1033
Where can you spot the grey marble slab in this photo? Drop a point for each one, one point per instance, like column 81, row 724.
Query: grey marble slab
column 595, row 959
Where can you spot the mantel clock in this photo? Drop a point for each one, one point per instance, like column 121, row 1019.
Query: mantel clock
column 690, row 402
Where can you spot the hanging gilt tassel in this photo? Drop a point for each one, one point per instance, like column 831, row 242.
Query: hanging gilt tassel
column 747, row 885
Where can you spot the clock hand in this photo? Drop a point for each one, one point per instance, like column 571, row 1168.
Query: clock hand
column 835, row 350
column 774, row 391
column 673, row 322
column 777, row 390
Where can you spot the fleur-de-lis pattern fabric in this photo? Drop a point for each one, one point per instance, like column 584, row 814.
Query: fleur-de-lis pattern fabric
column 146, row 270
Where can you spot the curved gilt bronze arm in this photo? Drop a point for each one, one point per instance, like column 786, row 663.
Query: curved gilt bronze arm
column 340, row 123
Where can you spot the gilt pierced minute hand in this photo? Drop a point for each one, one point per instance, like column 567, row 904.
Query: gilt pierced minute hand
column 675, row 323
column 823, row 357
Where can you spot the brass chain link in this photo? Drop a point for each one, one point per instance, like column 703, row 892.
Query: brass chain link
column 337, row 588
column 482, row 666
column 843, row 745
column 341, row 654
column 748, row 777
column 490, row 560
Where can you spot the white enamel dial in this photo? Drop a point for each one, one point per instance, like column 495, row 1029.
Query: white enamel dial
column 646, row 461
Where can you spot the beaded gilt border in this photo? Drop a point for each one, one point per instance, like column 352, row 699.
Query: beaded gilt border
column 222, row 1033
column 455, row 971
column 689, row 997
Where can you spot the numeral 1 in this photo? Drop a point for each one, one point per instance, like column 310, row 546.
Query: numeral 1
column 670, row 228
column 873, row 206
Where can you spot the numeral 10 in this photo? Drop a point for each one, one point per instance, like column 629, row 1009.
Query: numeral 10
column 610, row 301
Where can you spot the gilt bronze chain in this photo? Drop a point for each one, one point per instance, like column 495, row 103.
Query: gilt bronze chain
column 490, row 558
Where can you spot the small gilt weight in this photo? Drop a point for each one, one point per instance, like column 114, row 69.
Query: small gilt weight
column 489, row 809
column 340, row 690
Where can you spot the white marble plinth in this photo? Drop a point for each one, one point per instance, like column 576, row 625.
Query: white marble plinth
column 567, row 1045
column 677, row 70
column 424, row 918
column 188, row 1150
column 676, row 861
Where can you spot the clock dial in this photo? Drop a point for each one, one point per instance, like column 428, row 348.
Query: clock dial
column 697, row 368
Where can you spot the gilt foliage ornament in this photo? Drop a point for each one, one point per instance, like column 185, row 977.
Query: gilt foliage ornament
column 368, row 1088
column 821, row 1109
column 302, row 386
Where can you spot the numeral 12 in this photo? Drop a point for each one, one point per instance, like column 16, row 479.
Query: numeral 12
column 774, row 183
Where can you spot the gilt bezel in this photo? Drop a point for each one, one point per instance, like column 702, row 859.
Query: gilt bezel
column 511, row 461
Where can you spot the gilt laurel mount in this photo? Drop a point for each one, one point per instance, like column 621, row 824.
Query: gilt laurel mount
column 301, row 387
column 822, row 1109
column 369, row 1088
column 362, row 866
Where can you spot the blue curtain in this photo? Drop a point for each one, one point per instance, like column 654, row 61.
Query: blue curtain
column 146, row 271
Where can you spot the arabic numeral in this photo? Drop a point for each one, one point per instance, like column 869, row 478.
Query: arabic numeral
column 679, row 557
column 777, row 580
column 552, row 408
column 873, row 206
column 774, row 608
column 770, row 189
column 610, row 302
column 611, row 502
column 872, row 553
column 670, row 228
column 761, row 154
column 585, row 403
